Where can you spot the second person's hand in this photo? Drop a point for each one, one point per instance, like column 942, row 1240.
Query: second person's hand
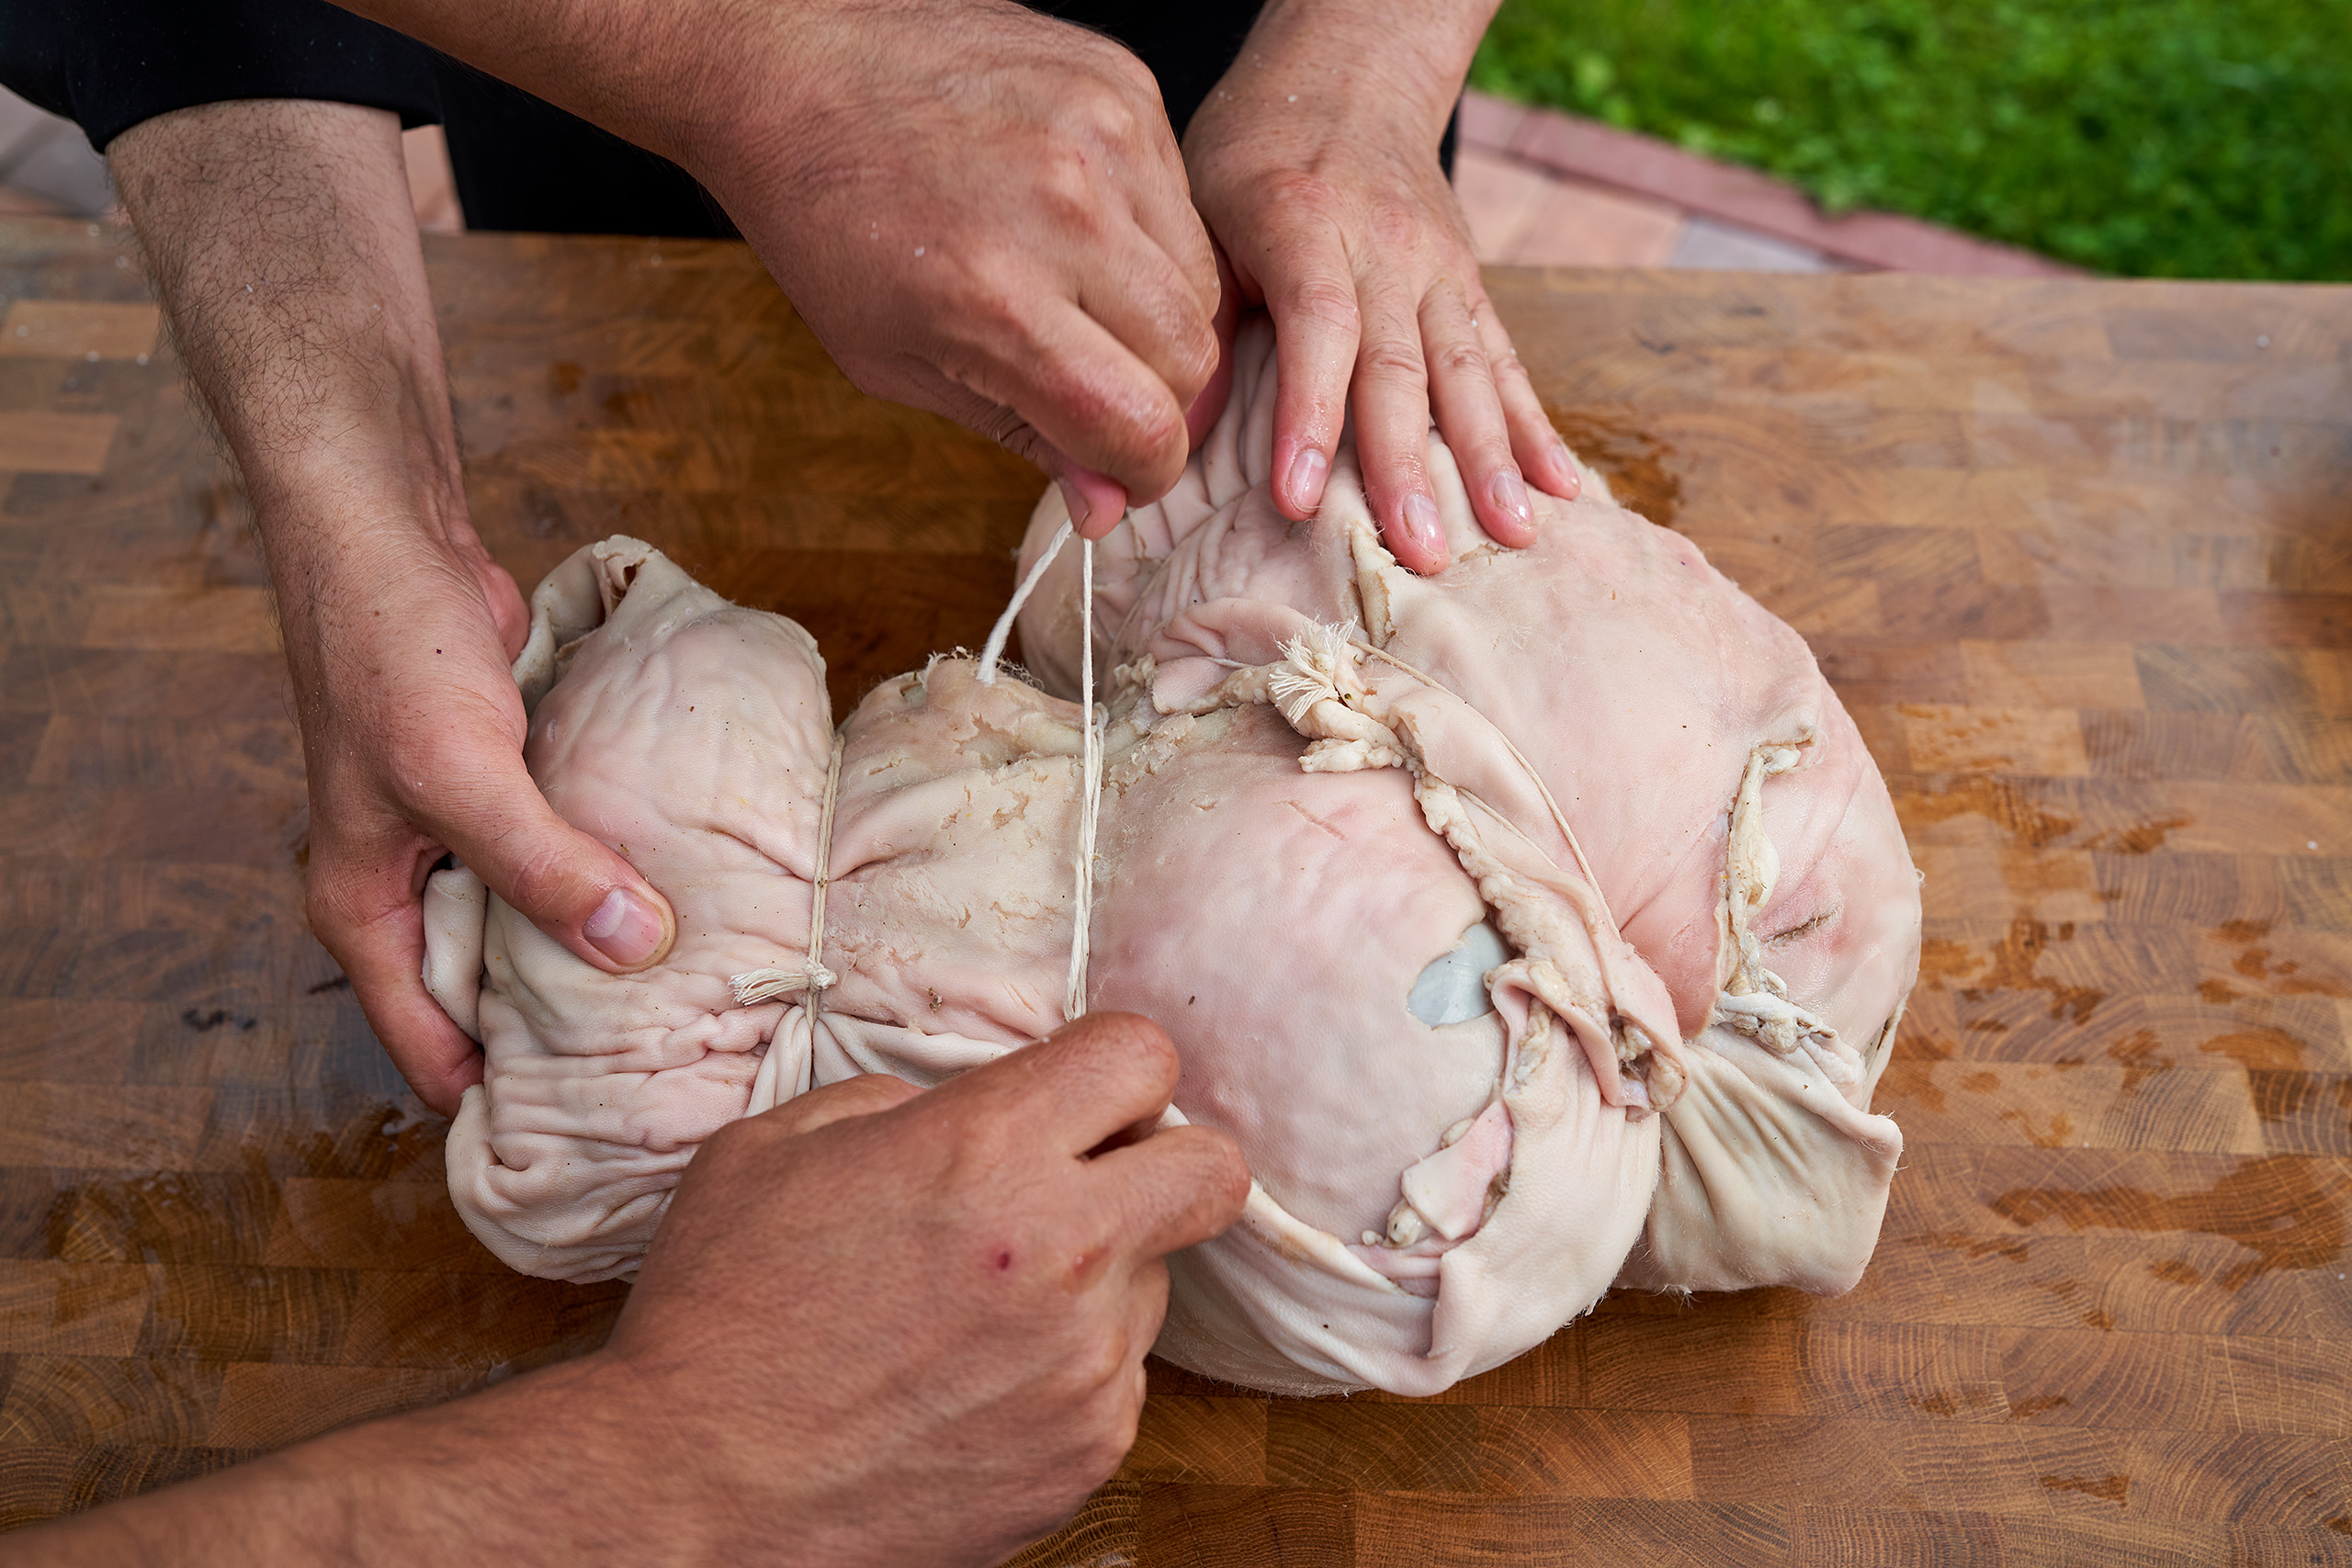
column 413, row 732
column 982, row 211
column 314, row 344
column 1315, row 162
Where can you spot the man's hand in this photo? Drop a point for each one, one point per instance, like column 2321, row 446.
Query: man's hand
column 413, row 732
column 939, row 1311
column 878, row 1328
column 982, row 211
column 977, row 209
column 281, row 239
column 1315, row 162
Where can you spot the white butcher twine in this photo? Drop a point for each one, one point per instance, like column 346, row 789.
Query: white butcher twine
column 811, row 978
column 1089, row 805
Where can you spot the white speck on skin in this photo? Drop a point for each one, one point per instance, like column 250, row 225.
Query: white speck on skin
column 2262, row 341
column 920, row 249
column 2311, row 844
column 1293, row 99
column 143, row 359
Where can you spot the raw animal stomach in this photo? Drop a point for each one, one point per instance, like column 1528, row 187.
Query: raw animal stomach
column 1323, row 777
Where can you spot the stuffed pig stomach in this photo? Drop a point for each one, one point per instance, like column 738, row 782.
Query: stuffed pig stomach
column 1536, row 926
column 693, row 737
column 895, row 898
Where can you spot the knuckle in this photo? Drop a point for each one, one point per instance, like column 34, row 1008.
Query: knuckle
column 1095, row 1374
column 976, row 1153
column 1320, row 296
column 1104, row 112
column 1065, row 186
column 1228, row 1174
column 1464, row 360
column 1101, row 1457
column 541, row 883
column 1395, row 362
column 1302, row 195
column 1133, row 74
column 1153, row 1053
column 1134, row 1043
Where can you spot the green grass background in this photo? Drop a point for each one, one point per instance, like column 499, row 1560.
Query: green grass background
column 2166, row 138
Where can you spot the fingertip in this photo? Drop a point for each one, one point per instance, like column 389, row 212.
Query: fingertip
column 1562, row 478
column 1228, row 1178
column 1420, row 533
column 1511, row 516
column 1195, row 1180
column 1096, row 502
column 633, row 928
column 1304, row 479
column 1129, row 1036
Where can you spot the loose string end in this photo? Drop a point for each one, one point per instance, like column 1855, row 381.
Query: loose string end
column 993, row 649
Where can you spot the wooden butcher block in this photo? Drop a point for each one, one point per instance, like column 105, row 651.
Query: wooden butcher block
column 2078, row 555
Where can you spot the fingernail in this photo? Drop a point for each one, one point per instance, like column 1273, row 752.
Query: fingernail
column 1305, row 484
column 1422, row 526
column 1564, row 463
column 1511, row 496
column 623, row 928
column 1074, row 501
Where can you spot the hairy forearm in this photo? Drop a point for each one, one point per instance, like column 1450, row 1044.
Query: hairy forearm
column 675, row 76
column 464, row 1482
column 1401, row 64
column 282, row 244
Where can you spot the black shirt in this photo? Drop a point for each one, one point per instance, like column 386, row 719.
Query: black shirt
column 520, row 163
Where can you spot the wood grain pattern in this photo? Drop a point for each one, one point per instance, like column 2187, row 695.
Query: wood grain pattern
column 2078, row 555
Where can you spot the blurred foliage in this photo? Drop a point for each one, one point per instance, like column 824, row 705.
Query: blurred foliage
column 2161, row 137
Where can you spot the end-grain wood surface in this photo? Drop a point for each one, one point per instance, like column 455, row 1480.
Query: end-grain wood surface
column 2078, row 557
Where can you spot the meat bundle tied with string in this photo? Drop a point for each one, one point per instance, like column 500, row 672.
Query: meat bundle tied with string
column 1534, row 927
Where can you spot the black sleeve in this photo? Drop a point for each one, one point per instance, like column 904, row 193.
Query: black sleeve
column 1188, row 48
column 109, row 64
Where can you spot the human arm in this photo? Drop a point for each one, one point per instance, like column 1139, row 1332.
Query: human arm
column 1315, row 164
column 878, row 1326
column 280, row 238
column 979, row 210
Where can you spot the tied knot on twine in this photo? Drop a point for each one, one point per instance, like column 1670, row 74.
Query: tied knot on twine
column 811, row 977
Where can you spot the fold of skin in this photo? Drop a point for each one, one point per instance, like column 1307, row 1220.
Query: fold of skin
column 1612, row 663
column 692, row 736
column 1297, row 827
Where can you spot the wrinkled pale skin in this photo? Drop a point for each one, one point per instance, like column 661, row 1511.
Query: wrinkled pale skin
column 1637, row 681
column 692, row 736
column 1274, row 919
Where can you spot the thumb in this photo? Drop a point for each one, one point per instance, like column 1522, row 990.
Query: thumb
column 570, row 884
column 1096, row 502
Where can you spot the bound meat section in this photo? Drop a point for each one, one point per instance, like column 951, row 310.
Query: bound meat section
column 1534, row 926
